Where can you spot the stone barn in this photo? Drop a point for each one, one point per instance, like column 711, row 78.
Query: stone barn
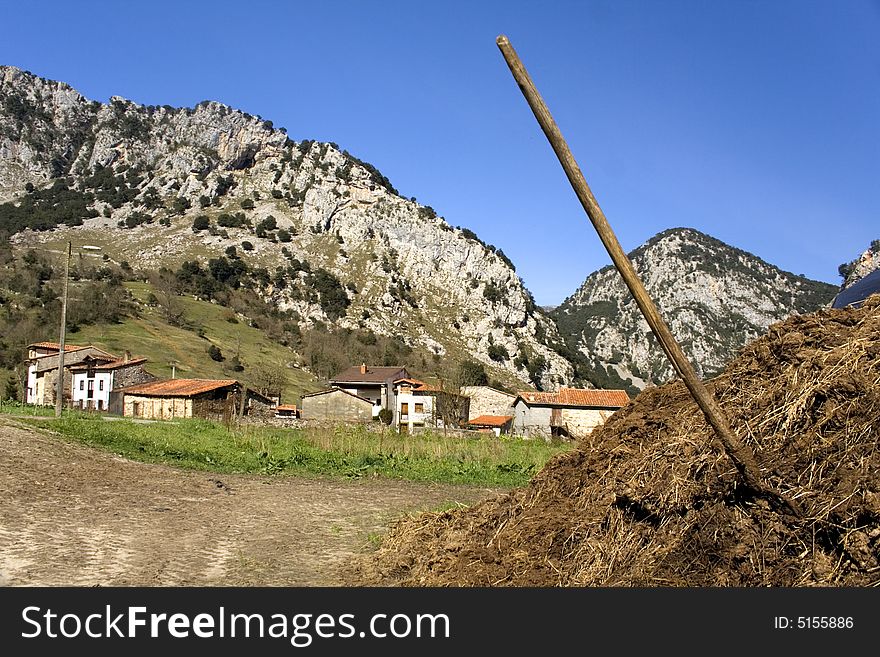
column 568, row 413
column 488, row 401
column 373, row 383
column 211, row 399
column 336, row 405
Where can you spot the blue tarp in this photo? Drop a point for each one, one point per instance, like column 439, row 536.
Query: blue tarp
column 856, row 293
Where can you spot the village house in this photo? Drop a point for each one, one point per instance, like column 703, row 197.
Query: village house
column 570, row 412
column 336, row 405
column 95, row 377
column 497, row 424
column 415, row 405
column 421, row 405
column 213, row 399
column 42, row 374
column 373, row 383
column 488, row 401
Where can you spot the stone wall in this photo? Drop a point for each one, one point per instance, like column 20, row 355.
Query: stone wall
column 580, row 422
column 131, row 375
column 336, row 406
column 157, row 408
column 488, row 401
column 531, row 421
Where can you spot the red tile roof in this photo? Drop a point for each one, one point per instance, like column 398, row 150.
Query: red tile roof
column 178, row 387
column 373, row 374
column 415, row 383
column 286, row 407
column 491, row 420
column 578, row 397
column 427, row 387
column 55, row 345
column 112, row 365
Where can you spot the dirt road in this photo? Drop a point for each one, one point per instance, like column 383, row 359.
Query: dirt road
column 73, row 515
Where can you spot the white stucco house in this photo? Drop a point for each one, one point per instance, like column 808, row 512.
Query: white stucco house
column 42, row 377
column 415, row 405
column 94, row 379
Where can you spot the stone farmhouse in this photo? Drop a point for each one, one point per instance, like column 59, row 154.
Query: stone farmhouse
column 569, row 412
column 337, row 405
column 488, row 401
column 42, row 377
column 211, row 399
column 373, row 383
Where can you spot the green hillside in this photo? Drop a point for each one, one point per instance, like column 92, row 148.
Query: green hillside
column 187, row 348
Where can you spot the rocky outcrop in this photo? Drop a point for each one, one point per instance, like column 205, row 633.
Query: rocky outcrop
column 866, row 263
column 140, row 175
column 714, row 297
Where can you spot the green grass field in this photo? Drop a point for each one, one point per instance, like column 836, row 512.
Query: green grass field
column 347, row 451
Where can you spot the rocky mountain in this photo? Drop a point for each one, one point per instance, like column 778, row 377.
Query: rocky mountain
column 857, row 269
column 714, row 297
column 333, row 241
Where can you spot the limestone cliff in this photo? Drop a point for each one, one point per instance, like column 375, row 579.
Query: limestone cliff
column 155, row 186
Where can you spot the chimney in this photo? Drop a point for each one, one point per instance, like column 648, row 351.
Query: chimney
column 127, row 356
column 363, row 368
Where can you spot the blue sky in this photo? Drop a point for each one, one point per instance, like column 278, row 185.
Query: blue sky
column 755, row 122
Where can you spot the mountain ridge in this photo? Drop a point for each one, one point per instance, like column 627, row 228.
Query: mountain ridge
column 715, row 298
column 160, row 186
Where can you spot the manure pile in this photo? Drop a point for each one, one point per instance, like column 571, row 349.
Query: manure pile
column 651, row 500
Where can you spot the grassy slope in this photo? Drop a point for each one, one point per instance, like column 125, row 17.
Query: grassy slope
column 161, row 343
column 322, row 252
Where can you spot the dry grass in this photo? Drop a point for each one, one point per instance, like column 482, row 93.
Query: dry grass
column 651, row 500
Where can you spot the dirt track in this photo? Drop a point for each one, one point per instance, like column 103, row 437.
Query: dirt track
column 72, row 515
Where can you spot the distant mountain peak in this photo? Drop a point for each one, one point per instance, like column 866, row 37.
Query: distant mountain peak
column 715, row 298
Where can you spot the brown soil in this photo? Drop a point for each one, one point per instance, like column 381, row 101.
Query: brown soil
column 73, row 515
column 651, row 500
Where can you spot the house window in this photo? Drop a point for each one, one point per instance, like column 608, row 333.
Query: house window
column 404, row 409
column 82, row 384
column 420, row 408
column 101, row 384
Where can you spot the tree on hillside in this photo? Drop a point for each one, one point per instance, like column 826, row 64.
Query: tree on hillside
column 268, row 378
column 471, row 373
column 166, row 290
column 201, row 223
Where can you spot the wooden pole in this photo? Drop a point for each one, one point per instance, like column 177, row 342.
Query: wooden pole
column 244, row 391
column 59, row 390
column 739, row 453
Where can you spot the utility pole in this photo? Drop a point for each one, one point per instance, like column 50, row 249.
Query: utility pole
column 59, row 392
